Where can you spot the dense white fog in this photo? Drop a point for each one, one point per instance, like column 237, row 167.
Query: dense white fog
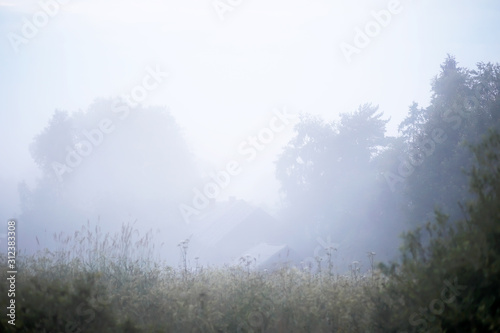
column 243, row 130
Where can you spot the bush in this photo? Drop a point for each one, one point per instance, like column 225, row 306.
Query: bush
column 449, row 274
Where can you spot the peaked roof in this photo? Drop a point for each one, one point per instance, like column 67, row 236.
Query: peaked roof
column 211, row 227
column 227, row 229
column 263, row 253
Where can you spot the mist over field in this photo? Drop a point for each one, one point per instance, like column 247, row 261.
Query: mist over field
column 321, row 139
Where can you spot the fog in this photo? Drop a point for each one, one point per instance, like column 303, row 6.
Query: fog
column 233, row 128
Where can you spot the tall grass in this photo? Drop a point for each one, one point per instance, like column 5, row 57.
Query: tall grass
column 97, row 282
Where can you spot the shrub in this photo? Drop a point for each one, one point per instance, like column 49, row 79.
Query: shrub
column 449, row 274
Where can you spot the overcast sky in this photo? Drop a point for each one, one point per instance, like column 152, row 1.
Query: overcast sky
column 227, row 70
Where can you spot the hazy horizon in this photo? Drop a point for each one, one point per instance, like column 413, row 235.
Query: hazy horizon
column 222, row 74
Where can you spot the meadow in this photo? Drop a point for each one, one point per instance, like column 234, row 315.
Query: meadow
column 109, row 283
column 112, row 283
column 446, row 280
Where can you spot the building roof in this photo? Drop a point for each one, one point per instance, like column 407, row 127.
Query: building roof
column 227, row 229
column 211, row 227
column 264, row 253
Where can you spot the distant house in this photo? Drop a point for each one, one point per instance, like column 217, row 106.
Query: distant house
column 265, row 256
column 229, row 229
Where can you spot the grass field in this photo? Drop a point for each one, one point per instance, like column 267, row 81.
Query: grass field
column 94, row 284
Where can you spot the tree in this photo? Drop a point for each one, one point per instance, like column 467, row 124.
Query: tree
column 464, row 105
column 449, row 273
column 328, row 173
column 114, row 162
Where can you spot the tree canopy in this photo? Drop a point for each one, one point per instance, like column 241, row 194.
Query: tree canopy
column 349, row 173
column 111, row 161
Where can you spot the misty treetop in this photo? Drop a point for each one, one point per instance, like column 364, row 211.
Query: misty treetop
column 349, row 179
column 111, row 161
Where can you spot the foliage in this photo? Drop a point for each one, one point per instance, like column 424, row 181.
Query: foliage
column 93, row 284
column 349, row 180
column 465, row 104
column 464, row 254
column 110, row 160
column 331, row 169
column 446, row 281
